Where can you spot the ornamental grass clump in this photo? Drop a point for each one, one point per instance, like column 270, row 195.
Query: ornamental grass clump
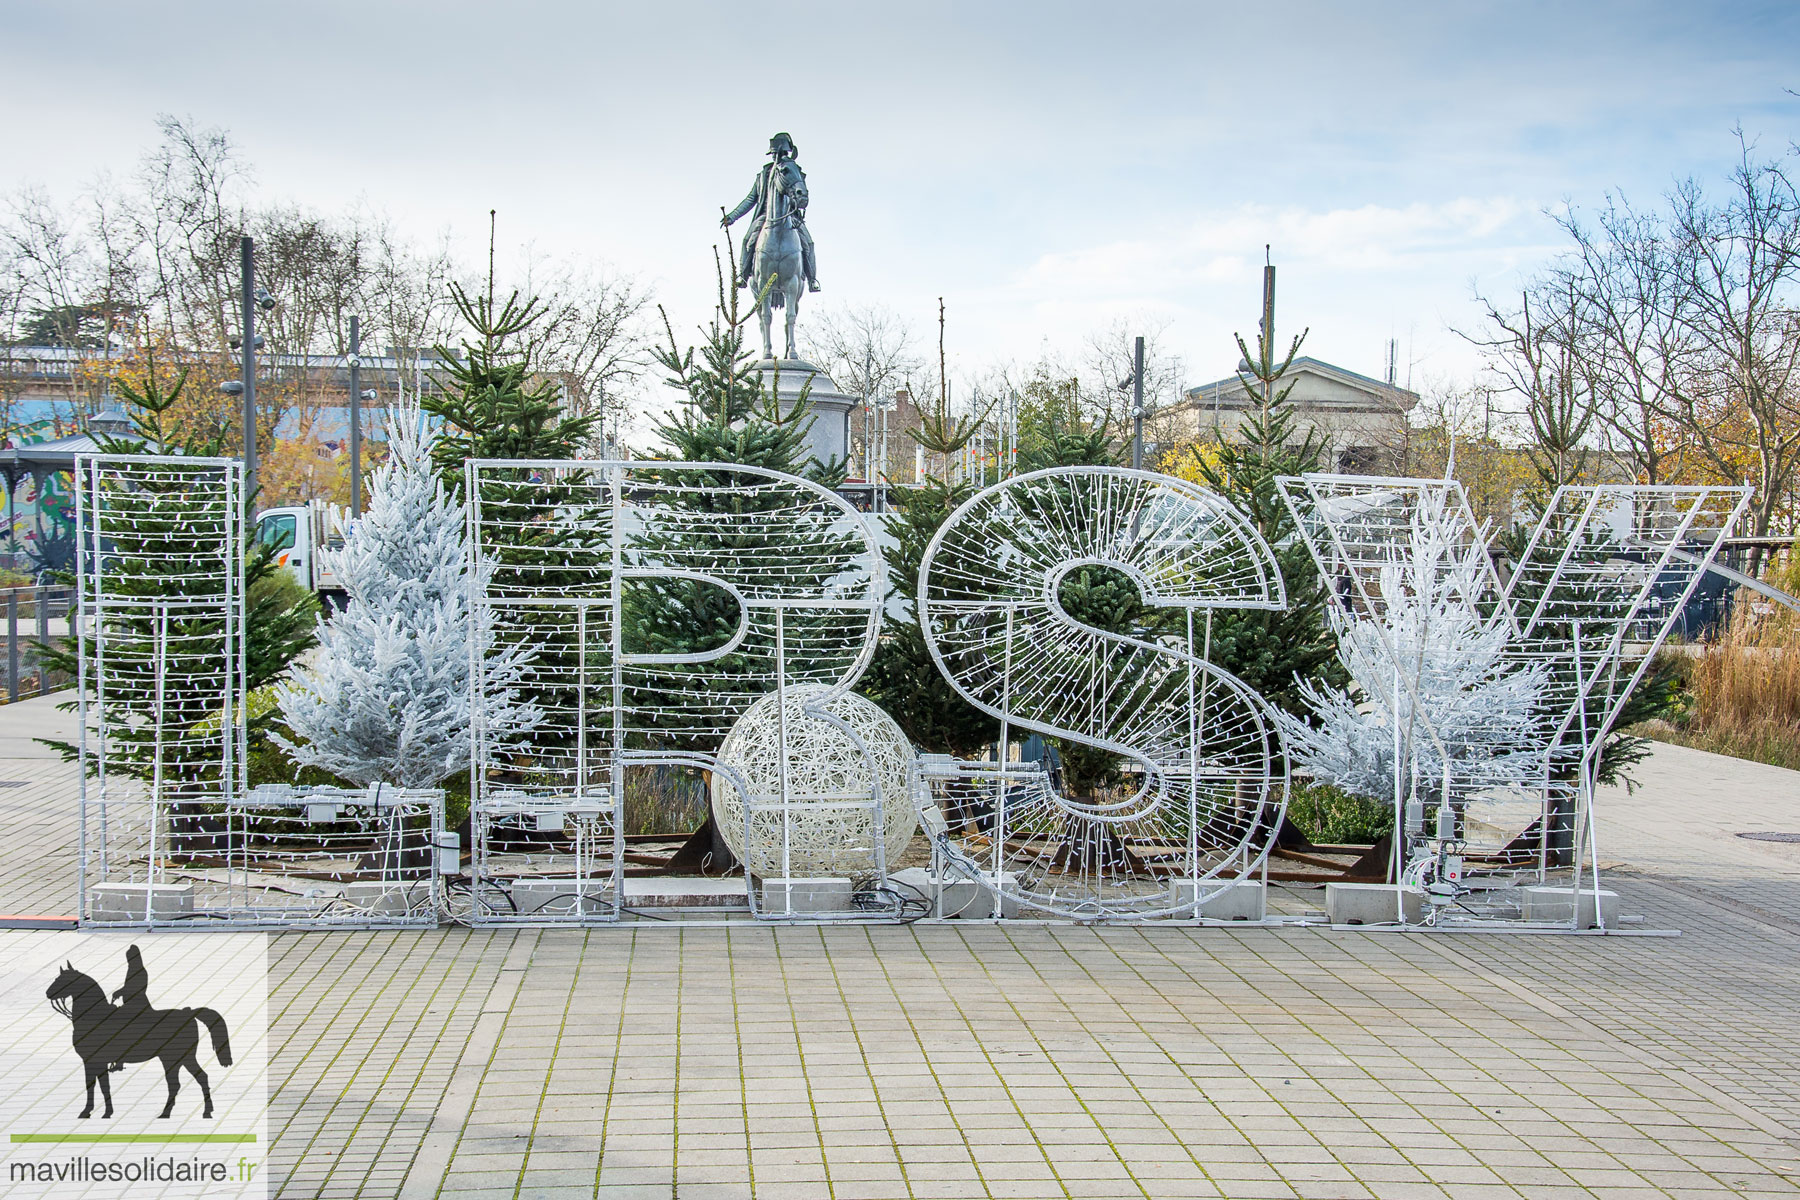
column 1744, row 687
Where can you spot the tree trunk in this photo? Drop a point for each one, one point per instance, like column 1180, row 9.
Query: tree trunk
column 704, row 853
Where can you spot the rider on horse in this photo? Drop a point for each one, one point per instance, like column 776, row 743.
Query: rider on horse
column 782, row 150
column 134, row 996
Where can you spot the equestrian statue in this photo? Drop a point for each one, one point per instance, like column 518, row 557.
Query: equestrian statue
column 777, row 259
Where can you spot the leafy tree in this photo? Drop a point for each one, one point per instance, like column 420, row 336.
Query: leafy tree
column 80, row 326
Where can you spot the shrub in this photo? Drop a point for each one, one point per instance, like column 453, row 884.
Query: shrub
column 1331, row 817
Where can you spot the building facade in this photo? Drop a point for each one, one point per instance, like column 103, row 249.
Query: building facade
column 1361, row 420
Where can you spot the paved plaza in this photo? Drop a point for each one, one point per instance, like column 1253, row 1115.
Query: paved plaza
column 1027, row 1060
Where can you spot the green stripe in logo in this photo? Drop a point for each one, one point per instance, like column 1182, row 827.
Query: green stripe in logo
column 155, row 1138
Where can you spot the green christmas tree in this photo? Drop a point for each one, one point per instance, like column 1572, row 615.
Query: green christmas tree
column 145, row 565
column 493, row 402
column 1273, row 652
column 730, row 418
column 903, row 679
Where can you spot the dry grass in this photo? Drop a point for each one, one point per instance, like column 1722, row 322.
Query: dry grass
column 662, row 799
column 1743, row 690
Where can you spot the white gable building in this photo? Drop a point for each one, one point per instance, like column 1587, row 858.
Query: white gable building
column 1360, row 419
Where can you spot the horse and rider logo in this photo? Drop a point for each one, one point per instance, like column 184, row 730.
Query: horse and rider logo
column 109, row 1036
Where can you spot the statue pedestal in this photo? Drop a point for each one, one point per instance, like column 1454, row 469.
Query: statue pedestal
column 829, row 438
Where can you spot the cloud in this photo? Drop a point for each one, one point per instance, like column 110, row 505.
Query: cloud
column 1224, row 245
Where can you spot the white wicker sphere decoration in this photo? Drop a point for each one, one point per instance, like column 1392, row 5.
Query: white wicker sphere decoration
column 823, row 765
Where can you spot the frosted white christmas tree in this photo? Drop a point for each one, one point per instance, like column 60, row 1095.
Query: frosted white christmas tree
column 1423, row 660
column 386, row 698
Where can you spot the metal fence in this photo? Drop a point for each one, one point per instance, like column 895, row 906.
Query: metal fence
column 34, row 616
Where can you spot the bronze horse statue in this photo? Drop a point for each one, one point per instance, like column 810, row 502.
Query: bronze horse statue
column 777, row 274
column 105, row 1033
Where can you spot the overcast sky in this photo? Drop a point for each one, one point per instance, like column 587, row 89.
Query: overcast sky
column 1046, row 167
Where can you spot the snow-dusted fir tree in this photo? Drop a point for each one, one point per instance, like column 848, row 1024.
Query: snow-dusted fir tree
column 1424, row 661
column 386, row 698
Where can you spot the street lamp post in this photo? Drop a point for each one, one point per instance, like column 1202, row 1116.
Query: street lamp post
column 355, row 418
column 245, row 385
column 1137, row 406
column 247, row 249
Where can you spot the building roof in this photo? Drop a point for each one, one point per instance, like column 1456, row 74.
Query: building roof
column 42, row 458
column 1331, row 387
column 60, row 363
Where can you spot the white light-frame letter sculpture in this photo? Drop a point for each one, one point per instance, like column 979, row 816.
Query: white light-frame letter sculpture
column 1205, row 775
column 604, row 570
column 170, row 833
column 1580, row 610
column 160, row 638
column 1593, row 597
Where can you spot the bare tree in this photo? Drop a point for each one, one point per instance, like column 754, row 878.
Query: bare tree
column 315, row 268
column 145, row 276
column 1669, row 339
column 189, row 224
column 51, row 277
column 594, row 338
column 866, row 349
column 409, row 302
column 1739, row 262
column 1457, row 431
column 1111, row 359
column 118, row 288
column 868, row 352
column 52, row 269
column 1624, row 272
column 1538, row 352
column 12, row 369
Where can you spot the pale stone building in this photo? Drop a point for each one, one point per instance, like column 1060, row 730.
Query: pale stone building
column 1362, row 420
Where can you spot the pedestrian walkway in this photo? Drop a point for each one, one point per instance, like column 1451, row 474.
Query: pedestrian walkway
column 1035, row 1060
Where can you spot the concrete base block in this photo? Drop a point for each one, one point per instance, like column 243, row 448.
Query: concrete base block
column 975, row 901
column 409, row 898
column 1372, row 904
column 1553, row 904
column 555, row 898
column 960, row 897
column 129, row 901
column 1244, row 900
column 821, row 894
column 687, row 891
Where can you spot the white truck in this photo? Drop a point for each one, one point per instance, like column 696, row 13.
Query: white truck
column 298, row 532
